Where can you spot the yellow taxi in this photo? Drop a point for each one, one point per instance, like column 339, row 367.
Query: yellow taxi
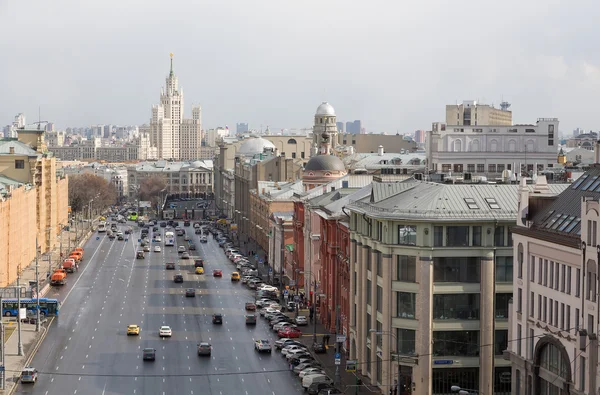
column 199, row 270
column 133, row 330
column 235, row 276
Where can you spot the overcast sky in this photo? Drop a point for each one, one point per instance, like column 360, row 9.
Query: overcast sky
column 392, row 64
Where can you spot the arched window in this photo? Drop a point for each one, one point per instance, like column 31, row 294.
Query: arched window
column 512, row 145
column 457, row 145
column 553, row 367
column 475, row 146
column 291, row 141
column 493, row 146
column 530, row 146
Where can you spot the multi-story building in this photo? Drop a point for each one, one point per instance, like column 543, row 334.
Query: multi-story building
column 472, row 113
column 431, row 278
column 33, row 202
column 354, row 127
column 389, row 163
column 179, row 177
column 115, row 174
column 369, row 143
column 583, row 140
column 55, row 139
column 489, row 150
column 555, row 311
column 281, row 241
column 241, row 128
column 340, row 127
column 175, row 137
column 420, row 136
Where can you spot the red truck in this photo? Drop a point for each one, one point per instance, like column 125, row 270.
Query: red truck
column 70, row 265
column 59, row 277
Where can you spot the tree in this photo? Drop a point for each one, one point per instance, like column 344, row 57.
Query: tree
column 151, row 188
column 86, row 188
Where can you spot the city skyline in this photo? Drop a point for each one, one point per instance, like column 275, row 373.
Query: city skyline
column 105, row 73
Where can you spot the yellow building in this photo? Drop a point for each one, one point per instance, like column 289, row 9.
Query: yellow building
column 33, row 202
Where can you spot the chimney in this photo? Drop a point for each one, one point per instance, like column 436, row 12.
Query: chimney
column 380, row 150
column 12, row 151
column 351, row 150
column 597, row 152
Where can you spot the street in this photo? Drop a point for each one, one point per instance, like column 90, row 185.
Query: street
column 87, row 350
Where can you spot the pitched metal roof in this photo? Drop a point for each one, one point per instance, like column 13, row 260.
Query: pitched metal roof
column 19, row 148
column 421, row 200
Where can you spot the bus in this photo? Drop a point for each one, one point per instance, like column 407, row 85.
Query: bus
column 133, row 216
column 102, row 227
column 48, row 307
column 169, row 239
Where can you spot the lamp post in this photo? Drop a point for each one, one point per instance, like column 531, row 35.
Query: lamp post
column 463, row 391
column 391, row 334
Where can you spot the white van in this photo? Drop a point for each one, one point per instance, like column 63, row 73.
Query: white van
column 307, row 381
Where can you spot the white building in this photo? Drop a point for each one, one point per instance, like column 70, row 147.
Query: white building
column 489, row 150
column 175, row 137
column 555, row 318
column 180, row 177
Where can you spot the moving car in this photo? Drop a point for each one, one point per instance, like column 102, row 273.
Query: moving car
column 190, row 292
column 319, row 348
column 165, row 331
column 157, row 249
column 147, row 248
column 199, row 270
column 149, row 354
column 133, row 330
column 139, row 255
column 262, row 346
column 235, row 276
column 217, row 273
column 185, row 255
column 29, row 375
column 170, row 266
column 204, row 349
column 198, row 263
column 203, row 239
column 217, row 319
column 181, row 249
column 192, row 247
column 250, row 306
column 250, row 319
column 301, row 320
column 178, row 278
column 157, row 239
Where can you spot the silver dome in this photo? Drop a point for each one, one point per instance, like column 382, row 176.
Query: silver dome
column 255, row 145
column 324, row 163
column 326, row 109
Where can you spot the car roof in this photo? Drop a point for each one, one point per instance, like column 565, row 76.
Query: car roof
column 165, row 327
column 204, row 344
column 132, row 325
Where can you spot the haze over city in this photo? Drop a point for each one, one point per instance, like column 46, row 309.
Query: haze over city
column 394, row 65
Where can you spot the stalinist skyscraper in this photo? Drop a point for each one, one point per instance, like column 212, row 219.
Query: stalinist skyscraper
column 175, row 137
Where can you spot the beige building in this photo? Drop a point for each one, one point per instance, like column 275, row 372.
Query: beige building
column 554, row 319
column 180, row 177
column 33, row 202
column 432, row 281
column 369, row 143
column 472, row 113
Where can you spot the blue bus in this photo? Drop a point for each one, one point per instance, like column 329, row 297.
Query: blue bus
column 48, row 307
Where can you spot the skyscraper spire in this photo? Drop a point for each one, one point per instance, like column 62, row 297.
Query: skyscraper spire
column 171, row 73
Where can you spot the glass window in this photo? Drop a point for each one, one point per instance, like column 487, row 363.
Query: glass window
column 458, row 343
column 477, row 236
column 551, row 359
column 501, row 342
column 502, row 305
column 457, row 236
column 504, row 269
column 407, row 235
column 532, row 268
column 456, row 306
column 379, row 328
column 578, row 283
column 368, row 291
column 379, row 301
column 406, row 303
column 499, row 236
column 379, row 258
column 406, row 341
column 369, row 258
column 456, row 269
column 438, row 236
column 407, row 268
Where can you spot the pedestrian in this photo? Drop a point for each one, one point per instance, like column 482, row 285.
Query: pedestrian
column 326, row 339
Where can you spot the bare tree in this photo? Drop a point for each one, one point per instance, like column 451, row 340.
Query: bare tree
column 151, row 188
column 86, row 188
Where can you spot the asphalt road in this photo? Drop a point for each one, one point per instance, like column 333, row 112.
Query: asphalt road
column 87, row 350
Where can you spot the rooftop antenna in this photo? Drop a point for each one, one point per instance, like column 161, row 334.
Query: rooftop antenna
column 39, row 122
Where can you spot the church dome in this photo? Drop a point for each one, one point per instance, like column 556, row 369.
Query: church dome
column 255, row 145
column 325, row 163
column 326, row 109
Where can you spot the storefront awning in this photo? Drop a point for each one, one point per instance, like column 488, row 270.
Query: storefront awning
column 289, row 247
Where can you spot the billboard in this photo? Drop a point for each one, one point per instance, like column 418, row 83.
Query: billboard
column 145, row 204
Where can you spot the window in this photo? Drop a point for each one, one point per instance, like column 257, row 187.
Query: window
column 539, row 314
column 582, row 373
column 302, row 154
column 379, row 231
column 519, row 339
column 407, row 235
column 457, row 236
column 456, row 269
column 519, row 300
column 556, row 275
column 471, row 203
column 578, row 283
column 379, row 328
column 406, row 303
column 545, row 310
column 531, row 304
column 379, row 301
column 545, row 272
column 480, row 168
column 504, row 269
column 501, row 342
column 369, row 297
column 568, row 318
column 492, row 203
column 576, row 327
column 569, row 280
column 531, row 344
column 459, row 343
column 563, row 277
column 476, row 236
column 369, row 258
column 499, row 236
column 591, row 286
column 491, row 168
column 541, row 271
column 502, row 304
column 438, row 236
column 471, row 168
column 293, row 155
column 520, row 261
column 562, row 316
column 407, row 268
column 550, row 311
column 456, row 306
column 379, row 262
column 556, row 313
column 19, row 164
column 551, row 273
column 406, row 341
column 532, row 269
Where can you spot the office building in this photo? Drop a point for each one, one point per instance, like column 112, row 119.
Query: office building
column 174, row 136
column 241, row 128
column 554, row 313
column 354, row 127
column 340, row 127
column 431, row 279
column 420, row 136
column 471, row 113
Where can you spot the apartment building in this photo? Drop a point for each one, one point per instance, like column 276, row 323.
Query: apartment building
column 431, row 279
column 180, row 177
column 554, row 317
column 470, row 112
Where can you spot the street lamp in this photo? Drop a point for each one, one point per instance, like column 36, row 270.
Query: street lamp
column 391, row 334
column 463, row 391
